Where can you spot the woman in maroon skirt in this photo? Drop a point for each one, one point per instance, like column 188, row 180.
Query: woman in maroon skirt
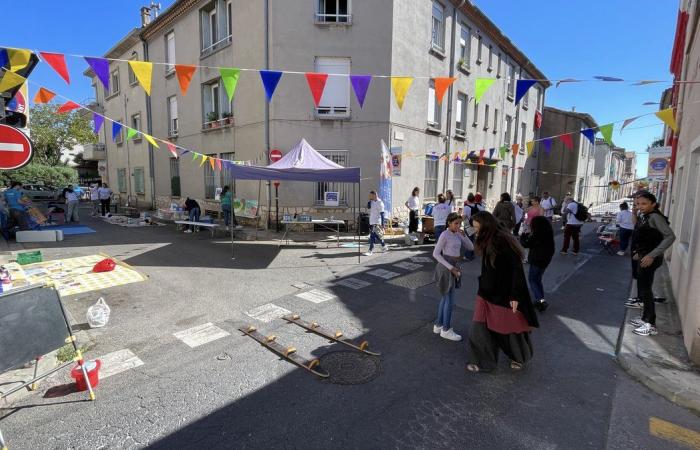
column 504, row 313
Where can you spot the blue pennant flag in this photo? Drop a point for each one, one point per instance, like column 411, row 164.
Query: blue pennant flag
column 521, row 88
column 590, row 134
column 116, row 129
column 270, row 79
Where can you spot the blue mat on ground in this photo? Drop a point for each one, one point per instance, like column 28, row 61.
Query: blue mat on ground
column 69, row 230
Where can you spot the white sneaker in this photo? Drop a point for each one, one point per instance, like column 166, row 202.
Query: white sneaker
column 646, row 330
column 450, row 335
column 437, row 329
column 620, row 253
column 238, row 227
column 385, row 248
column 367, row 253
column 188, row 231
column 638, row 322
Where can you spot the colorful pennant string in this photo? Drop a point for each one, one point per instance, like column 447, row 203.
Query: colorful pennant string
column 101, row 68
column 270, row 80
column 67, row 106
column 10, row 80
column 317, row 83
column 590, row 134
column 173, row 149
column 360, row 84
column 58, row 63
column 521, row 88
column 530, row 146
column 19, row 58
column 150, row 140
column 666, row 115
column 607, row 132
column 441, row 85
column 400, row 86
column 143, row 71
column 43, row 95
column 481, row 86
column 184, row 76
column 116, row 130
column 567, row 140
column 515, row 148
column 627, row 122
column 547, row 145
column 230, row 76
column 604, row 78
column 131, row 133
column 97, row 121
column 568, row 80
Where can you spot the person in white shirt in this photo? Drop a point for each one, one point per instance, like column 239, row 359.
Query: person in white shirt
column 564, row 203
column 413, row 205
column 72, row 203
column 440, row 213
column 95, row 199
column 626, row 224
column 105, row 195
column 548, row 203
column 572, row 230
column 376, row 222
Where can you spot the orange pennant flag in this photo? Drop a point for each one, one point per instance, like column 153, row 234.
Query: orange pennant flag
column 43, row 95
column 515, row 149
column 441, row 85
column 211, row 163
column 184, row 76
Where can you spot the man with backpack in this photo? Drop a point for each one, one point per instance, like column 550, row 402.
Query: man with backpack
column 576, row 214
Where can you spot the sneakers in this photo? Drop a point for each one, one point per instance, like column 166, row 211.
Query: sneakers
column 620, row 253
column 638, row 322
column 450, row 335
column 437, row 329
column 541, row 305
column 634, row 302
column 385, row 248
column 564, row 253
column 368, row 253
column 188, row 231
column 646, row 330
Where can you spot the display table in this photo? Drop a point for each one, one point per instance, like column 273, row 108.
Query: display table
column 323, row 223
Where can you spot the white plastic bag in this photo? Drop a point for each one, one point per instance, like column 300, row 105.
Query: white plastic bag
column 98, row 314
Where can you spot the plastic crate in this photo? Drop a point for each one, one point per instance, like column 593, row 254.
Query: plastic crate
column 29, row 258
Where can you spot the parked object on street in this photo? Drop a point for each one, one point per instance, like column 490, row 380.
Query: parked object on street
column 315, row 328
column 98, row 314
column 29, row 257
column 106, row 265
column 92, row 367
column 39, row 236
column 40, row 192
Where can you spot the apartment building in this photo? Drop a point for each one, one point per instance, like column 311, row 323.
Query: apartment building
column 418, row 38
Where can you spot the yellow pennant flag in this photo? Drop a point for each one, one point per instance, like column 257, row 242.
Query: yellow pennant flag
column 400, row 86
column 19, row 58
column 530, row 145
column 204, row 159
column 10, row 80
column 143, row 71
column 666, row 115
column 150, row 139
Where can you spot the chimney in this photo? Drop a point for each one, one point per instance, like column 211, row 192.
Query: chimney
column 145, row 16
column 573, row 109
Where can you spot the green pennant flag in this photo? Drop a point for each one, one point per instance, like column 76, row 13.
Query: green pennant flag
column 482, row 85
column 131, row 133
column 194, row 156
column 230, row 79
column 502, row 151
column 607, row 132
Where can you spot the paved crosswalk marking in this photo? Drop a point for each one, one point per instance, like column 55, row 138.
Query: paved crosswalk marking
column 408, row 266
column 118, row 362
column 381, row 273
column 316, row 296
column 201, row 334
column 354, row 283
column 267, row 312
column 301, row 285
column 674, row 433
column 421, row 259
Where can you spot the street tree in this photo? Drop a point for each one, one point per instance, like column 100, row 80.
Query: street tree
column 52, row 132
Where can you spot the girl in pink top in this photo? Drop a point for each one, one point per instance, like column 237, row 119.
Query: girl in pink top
column 534, row 210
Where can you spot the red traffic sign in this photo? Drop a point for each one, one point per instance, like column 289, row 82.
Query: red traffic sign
column 275, row 155
column 15, row 148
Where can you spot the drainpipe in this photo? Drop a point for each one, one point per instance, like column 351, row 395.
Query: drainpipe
column 267, row 108
column 149, row 122
column 450, row 90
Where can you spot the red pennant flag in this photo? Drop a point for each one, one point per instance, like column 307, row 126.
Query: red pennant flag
column 218, row 164
column 184, row 76
column 173, row 149
column 58, row 63
column 317, row 82
column 43, row 95
column 441, row 85
column 481, row 153
column 67, row 106
column 567, row 140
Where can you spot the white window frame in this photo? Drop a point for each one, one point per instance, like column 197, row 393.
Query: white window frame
column 132, row 76
column 434, row 109
column 335, row 101
column 437, row 27
column 511, row 81
column 218, row 101
column 341, row 157
column 229, row 19
column 508, row 130
column 341, row 19
column 135, row 123
column 139, row 181
column 463, row 100
column 458, row 179
column 114, row 87
column 465, row 46
column 690, row 194
column 172, row 121
column 431, row 174
column 169, row 52
column 523, row 137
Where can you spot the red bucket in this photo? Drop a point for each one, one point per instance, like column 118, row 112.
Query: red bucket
column 93, row 370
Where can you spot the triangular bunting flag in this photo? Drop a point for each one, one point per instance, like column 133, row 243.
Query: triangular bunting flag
column 317, row 83
column 400, row 86
column 116, row 129
column 43, row 95
column 131, row 133
column 230, row 79
column 195, row 155
column 97, row 121
column 184, row 76
column 481, row 86
column 607, row 132
column 521, row 88
column 530, row 146
column 645, row 82
column 441, row 85
column 627, row 122
column 101, row 68
column 568, row 80
column 67, row 106
column 491, row 152
column 590, row 134
column 567, row 140
column 173, row 149
column 502, row 151
column 666, row 115
column 10, row 80
column 472, row 154
column 514, row 149
column 481, row 153
column 151, row 141
column 204, row 159
column 19, row 58
column 360, row 84
column 218, row 164
column 4, row 59
column 604, row 78
column 144, row 72
column 211, row 163
column 58, row 63
column 547, row 145
column 270, row 80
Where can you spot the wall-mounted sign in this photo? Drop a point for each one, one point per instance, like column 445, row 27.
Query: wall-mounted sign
column 396, row 161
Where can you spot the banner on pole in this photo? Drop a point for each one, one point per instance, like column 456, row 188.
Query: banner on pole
column 385, row 172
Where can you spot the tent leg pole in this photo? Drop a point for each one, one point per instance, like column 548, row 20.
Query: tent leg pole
column 230, row 223
column 359, row 236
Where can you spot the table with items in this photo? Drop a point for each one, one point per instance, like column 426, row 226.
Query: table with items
column 330, row 224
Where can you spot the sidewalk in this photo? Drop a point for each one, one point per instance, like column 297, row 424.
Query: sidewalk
column 661, row 362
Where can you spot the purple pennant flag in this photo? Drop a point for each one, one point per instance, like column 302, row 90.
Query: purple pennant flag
column 270, row 79
column 590, row 134
column 604, row 78
column 521, row 88
column 116, row 129
column 4, row 59
column 471, row 154
column 97, row 120
column 547, row 145
column 491, row 151
column 360, row 83
column 101, row 68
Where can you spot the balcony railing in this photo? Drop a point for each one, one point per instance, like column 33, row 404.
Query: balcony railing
column 326, row 19
column 94, row 152
column 216, row 46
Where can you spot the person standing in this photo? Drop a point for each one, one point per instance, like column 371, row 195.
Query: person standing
column 17, row 206
column 413, row 205
column 95, row 200
column 535, row 210
column 540, row 241
column 376, row 222
column 503, row 314
column 479, row 201
column 450, row 200
column 626, row 224
column 193, row 213
column 72, row 203
column 652, row 236
column 564, row 214
column 447, row 253
column 504, row 212
column 226, row 208
column 519, row 213
column 440, row 213
column 572, row 229
column 548, row 204
column 469, row 209
column 105, row 195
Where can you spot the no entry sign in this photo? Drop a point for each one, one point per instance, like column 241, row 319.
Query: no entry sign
column 15, row 148
column 275, row 155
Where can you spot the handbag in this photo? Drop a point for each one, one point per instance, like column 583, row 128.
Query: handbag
column 379, row 231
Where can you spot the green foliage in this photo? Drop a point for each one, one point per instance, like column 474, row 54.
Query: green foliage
column 67, row 353
column 37, row 173
column 51, row 132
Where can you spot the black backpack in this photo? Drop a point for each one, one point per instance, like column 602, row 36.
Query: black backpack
column 581, row 212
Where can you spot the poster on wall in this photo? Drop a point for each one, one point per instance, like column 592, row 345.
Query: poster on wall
column 659, row 159
column 331, row 199
column 396, row 161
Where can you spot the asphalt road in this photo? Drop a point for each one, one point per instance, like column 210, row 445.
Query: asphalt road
column 233, row 393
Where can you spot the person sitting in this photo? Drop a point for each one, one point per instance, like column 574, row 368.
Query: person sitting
column 17, row 206
column 193, row 212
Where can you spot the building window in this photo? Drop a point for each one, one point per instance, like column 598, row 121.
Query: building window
column 132, row 75
column 490, row 68
column 121, row 180
column 476, row 114
column 690, row 197
column 508, row 131
column 539, row 98
column 465, row 47
column 175, row 177
column 210, row 181
column 479, row 49
column 226, row 176
column 461, row 125
column 172, row 116
column 430, row 185
column 229, row 18
column 511, row 81
column 523, row 135
column 438, row 30
column 458, row 180
column 114, row 82
column 434, row 109
column 498, row 66
column 526, row 100
column 495, row 120
column 335, row 101
column 333, row 11
column 504, row 178
column 170, row 52
column 486, row 117
column 339, row 157
column 215, row 103
column 139, row 182
column 136, row 125
column 209, row 27
column 119, row 138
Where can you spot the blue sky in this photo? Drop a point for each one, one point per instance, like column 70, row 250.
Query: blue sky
column 630, row 39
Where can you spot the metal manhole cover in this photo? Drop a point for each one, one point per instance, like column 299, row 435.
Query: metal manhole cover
column 345, row 367
column 414, row 280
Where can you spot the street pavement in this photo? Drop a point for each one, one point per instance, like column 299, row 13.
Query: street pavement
column 192, row 380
